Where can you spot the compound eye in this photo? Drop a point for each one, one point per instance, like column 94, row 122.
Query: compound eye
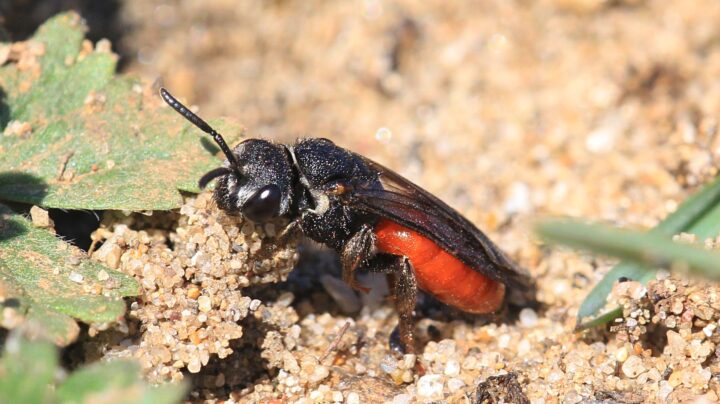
column 264, row 205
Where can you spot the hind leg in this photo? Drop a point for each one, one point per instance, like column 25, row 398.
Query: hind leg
column 403, row 288
column 361, row 252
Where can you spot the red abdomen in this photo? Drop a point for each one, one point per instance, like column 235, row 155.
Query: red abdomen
column 439, row 272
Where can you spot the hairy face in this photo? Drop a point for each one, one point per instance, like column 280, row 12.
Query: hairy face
column 263, row 189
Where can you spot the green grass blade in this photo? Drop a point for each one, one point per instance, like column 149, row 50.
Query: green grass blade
column 597, row 298
column 692, row 211
column 647, row 249
column 699, row 214
column 708, row 225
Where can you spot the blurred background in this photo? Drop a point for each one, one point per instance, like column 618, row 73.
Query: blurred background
column 509, row 110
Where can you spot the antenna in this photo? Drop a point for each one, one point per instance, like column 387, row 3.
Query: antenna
column 202, row 125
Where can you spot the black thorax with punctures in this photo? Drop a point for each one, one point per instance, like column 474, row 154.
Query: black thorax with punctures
column 321, row 165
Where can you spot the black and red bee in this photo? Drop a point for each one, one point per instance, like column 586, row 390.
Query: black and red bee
column 376, row 219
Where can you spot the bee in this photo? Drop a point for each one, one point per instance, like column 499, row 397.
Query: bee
column 373, row 217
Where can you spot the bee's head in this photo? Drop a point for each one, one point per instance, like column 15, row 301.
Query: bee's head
column 261, row 187
column 256, row 179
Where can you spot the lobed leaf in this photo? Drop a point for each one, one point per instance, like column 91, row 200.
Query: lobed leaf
column 95, row 141
column 115, row 382
column 28, row 372
column 48, row 282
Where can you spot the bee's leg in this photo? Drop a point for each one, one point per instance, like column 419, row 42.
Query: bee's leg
column 361, row 251
column 403, row 288
column 289, row 231
column 357, row 251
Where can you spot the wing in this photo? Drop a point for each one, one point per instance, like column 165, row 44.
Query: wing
column 411, row 206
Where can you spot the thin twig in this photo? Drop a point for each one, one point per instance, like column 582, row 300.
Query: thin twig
column 63, row 165
column 335, row 342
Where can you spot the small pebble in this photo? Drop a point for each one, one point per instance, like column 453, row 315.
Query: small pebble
column 193, row 293
column 112, row 259
column 194, row 365
column 455, row 384
column 555, row 376
column 676, row 344
column 665, row 390
column 633, row 366
column 291, row 381
column 204, row 304
column 528, row 317
column 430, row 386
column 519, row 199
column 383, row 135
column 601, row 140
column 402, row 399
column 389, row 364
column 524, row 347
column 408, row 361
column 452, row 368
column 622, row 354
column 76, row 277
column 319, row 373
column 572, row 397
column 353, row 398
column 503, row 341
column 40, row 217
column 270, row 229
column 17, row 128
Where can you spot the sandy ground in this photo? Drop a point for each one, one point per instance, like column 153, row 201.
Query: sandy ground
column 508, row 110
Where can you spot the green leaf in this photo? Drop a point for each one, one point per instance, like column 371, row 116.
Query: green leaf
column 116, row 382
column 27, row 370
column 50, row 282
column 97, row 141
column 699, row 214
column 648, row 249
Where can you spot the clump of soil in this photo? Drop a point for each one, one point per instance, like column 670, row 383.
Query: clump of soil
column 192, row 280
column 668, row 336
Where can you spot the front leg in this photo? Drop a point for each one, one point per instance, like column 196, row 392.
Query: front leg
column 358, row 250
column 290, row 230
